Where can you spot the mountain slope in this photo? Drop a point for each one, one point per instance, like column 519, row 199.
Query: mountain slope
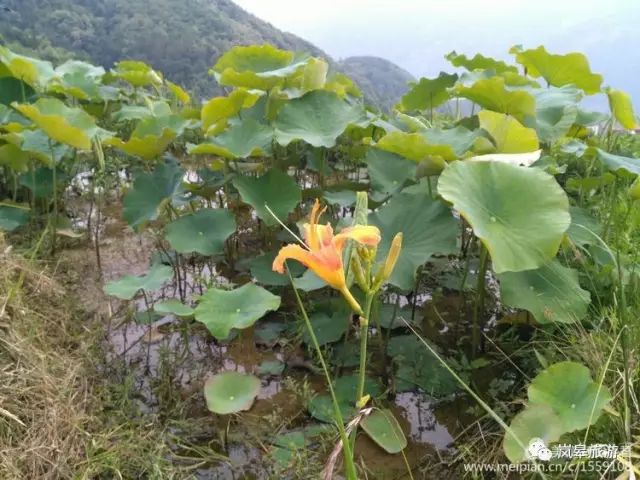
column 381, row 81
column 182, row 38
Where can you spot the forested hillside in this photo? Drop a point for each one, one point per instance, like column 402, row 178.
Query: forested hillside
column 183, row 39
column 381, row 81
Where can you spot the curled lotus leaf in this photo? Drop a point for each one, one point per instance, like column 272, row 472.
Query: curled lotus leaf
column 257, row 66
column 428, row 93
column 479, row 62
column 559, row 70
column 137, row 73
column 508, row 134
column 67, row 125
column 492, row 94
column 622, row 108
column 33, row 72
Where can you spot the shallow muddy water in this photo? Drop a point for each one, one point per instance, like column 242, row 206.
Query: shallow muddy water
column 185, row 355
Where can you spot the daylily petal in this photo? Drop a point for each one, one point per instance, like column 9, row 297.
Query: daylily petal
column 323, row 263
column 364, row 234
column 311, row 232
column 324, row 234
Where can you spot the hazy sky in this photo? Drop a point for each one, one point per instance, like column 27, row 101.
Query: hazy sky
column 416, row 34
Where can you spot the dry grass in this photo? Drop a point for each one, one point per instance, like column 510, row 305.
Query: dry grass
column 44, row 394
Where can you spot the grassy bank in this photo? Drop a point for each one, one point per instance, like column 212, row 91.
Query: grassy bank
column 58, row 417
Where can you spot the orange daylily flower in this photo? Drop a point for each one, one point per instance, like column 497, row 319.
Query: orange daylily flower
column 322, row 251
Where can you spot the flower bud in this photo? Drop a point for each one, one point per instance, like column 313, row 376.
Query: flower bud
column 392, row 258
column 363, row 401
column 358, row 273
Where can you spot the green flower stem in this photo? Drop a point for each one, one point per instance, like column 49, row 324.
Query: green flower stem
column 364, row 329
column 350, row 468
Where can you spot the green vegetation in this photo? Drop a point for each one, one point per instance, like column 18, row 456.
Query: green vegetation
column 381, row 81
column 180, row 39
column 518, row 223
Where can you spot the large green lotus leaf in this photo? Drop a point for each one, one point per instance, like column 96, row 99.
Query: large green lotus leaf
column 520, row 214
column 567, row 388
column 417, row 367
column 461, row 139
column 622, row 108
column 617, row 163
column 329, row 327
column 479, row 62
column 40, row 182
column 525, row 159
column 137, row 73
column 71, row 126
column 584, row 227
column 10, row 120
column 39, row 145
column 309, row 281
column 492, row 95
column 318, row 118
column 222, row 108
column 203, row 232
column 509, row 135
column 245, row 139
column 428, row 228
column 149, row 191
column 80, row 80
column 342, row 198
column 128, row 286
column 533, row 423
column 13, row 158
column 556, row 111
column 314, row 74
column 261, row 268
column 13, row 89
column 345, row 388
column 35, row 73
column 428, row 93
column 388, row 172
column 173, row 306
column 161, row 121
column 274, row 189
column 13, row 216
column 588, row 119
column 414, row 146
column 551, row 293
column 153, row 134
column 342, row 85
column 222, row 310
column 559, row 70
column 231, row 392
column 383, row 428
column 257, row 66
column 179, row 93
column 147, row 147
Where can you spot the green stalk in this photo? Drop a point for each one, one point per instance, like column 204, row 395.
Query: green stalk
column 479, row 310
column 362, row 369
column 54, row 230
column 364, row 329
column 350, row 467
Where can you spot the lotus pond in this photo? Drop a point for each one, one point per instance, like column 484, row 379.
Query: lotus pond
column 297, row 286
